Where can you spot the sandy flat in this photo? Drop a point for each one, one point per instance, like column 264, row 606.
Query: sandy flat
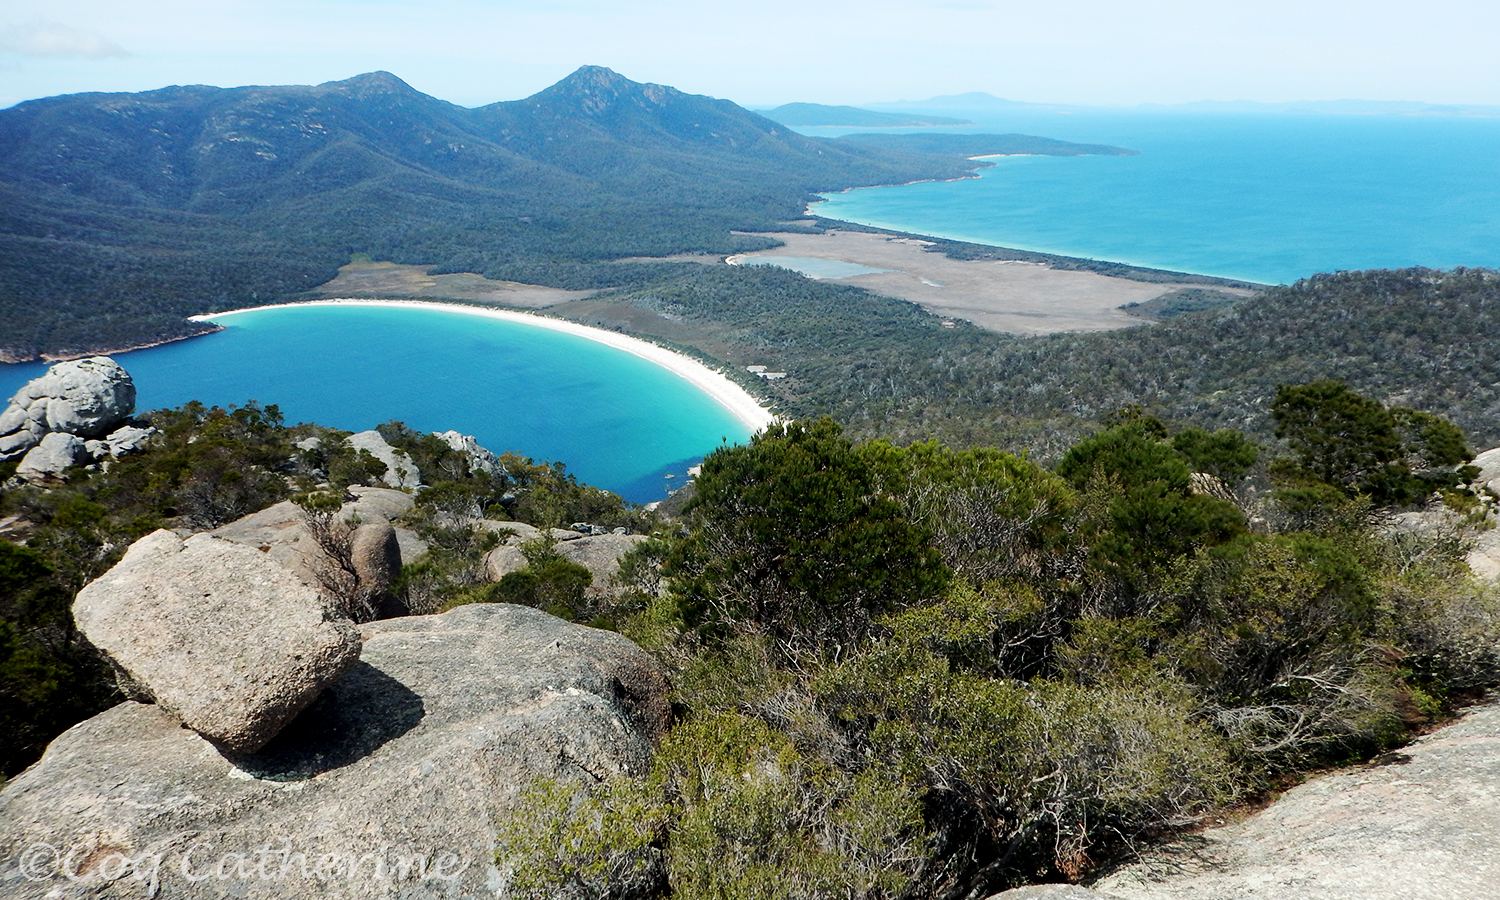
column 712, row 382
column 1015, row 297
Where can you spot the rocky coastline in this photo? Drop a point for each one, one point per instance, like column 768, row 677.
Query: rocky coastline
column 11, row 357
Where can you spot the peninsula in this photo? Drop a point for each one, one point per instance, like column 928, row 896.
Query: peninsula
column 227, row 198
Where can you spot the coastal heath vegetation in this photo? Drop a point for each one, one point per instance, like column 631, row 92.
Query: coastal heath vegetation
column 923, row 671
column 899, row 671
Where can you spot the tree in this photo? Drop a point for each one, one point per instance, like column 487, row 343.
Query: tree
column 50, row 677
column 797, row 535
column 1338, row 436
column 1150, row 514
column 1358, row 446
column 1225, row 454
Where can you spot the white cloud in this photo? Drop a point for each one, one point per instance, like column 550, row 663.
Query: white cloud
column 51, row 39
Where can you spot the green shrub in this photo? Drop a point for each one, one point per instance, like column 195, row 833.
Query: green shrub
column 797, row 535
column 735, row 812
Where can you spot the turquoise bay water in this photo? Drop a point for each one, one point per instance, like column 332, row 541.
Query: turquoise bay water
column 616, row 420
column 1268, row 198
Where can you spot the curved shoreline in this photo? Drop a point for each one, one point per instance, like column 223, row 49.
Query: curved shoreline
column 724, row 391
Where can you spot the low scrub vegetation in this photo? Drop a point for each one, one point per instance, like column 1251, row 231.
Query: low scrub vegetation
column 899, row 671
column 924, row 672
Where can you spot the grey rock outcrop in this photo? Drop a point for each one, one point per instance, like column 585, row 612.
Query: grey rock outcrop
column 56, row 453
column 400, row 471
column 1488, row 464
column 376, row 554
column 420, row 750
column 1419, row 824
column 480, row 459
column 278, row 530
column 507, row 557
column 600, row 554
column 88, row 398
column 1484, row 556
column 503, row 560
column 224, row 639
column 1051, row 892
column 123, row 440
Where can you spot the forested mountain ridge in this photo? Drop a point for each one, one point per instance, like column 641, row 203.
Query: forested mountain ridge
column 122, row 213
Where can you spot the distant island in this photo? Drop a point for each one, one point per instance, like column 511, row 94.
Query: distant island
column 980, row 145
column 816, row 114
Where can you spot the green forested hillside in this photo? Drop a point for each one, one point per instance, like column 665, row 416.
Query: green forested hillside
column 122, row 213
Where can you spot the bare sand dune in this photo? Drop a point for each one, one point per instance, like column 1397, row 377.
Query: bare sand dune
column 1015, row 297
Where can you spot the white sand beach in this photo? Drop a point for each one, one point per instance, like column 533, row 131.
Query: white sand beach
column 712, row 382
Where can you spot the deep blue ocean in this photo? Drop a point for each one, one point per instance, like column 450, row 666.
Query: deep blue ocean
column 1263, row 197
column 617, row 421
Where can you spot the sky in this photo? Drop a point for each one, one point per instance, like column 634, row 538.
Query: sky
column 473, row 52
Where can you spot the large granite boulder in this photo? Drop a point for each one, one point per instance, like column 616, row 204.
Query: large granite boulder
column 279, row 532
column 400, row 471
column 600, row 554
column 85, row 397
column 123, row 440
column 1488, row 464
column 402, row 769
column 375, row 552
column 503, row 560
column 57, row 452
column 224, row 639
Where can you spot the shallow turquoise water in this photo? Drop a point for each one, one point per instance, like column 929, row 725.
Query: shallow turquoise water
column 616, row 420
column 811, row 267
column 1269, row 198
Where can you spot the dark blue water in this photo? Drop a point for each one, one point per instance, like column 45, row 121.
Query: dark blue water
column 617, row 421
column 1269, row 198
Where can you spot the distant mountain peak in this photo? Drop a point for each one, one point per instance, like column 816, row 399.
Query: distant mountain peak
column 593, row 78
column 596, row 89
column 371, row 84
